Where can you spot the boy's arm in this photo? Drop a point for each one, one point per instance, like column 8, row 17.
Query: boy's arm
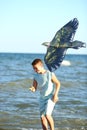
column 57, row 85
column 34, row 87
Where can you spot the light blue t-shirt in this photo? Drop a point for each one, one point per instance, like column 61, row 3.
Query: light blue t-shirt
column 45, row 84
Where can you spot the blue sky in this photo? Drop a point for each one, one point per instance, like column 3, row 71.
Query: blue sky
column 26, row 24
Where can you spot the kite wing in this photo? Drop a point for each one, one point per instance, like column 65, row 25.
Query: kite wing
column 54, row 57
column 65, row 34
column 61, row 42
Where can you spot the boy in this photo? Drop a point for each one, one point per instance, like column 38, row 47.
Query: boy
column 45, row 79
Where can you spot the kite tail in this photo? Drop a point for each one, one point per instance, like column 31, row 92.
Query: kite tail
column 77, row 44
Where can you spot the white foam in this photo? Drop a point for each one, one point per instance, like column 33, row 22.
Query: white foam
column 66, row 63
column 30, row 129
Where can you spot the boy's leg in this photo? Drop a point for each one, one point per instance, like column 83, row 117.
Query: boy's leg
column 44, row 123
column 50, row 121
column 50, row 107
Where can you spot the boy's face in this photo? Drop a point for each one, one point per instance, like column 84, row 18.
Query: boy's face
column 38, row 67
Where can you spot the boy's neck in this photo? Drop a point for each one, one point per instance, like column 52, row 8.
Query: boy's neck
column 43, row 71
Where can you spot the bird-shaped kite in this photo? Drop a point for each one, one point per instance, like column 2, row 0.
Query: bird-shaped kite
column 56, row 49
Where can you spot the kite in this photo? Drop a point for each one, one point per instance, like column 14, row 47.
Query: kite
column 63, row 40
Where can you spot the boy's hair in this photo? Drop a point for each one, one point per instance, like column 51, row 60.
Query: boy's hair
column 37, row 61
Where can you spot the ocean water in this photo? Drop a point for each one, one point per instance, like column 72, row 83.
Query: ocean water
column 19, row 108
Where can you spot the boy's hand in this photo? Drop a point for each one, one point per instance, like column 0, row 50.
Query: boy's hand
column 32, row 89
column 55, row 98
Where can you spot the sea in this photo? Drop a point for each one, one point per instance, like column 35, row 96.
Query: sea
column 19, row 108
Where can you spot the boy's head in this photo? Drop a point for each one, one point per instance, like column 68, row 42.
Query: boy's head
column 37, row 65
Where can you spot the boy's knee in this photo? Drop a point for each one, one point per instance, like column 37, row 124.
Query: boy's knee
column 48, row 116
column 43, row 118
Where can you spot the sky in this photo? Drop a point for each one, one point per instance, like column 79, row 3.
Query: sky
column 26, row 24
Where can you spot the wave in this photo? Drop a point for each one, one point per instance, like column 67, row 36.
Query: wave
column 66, row 63
column 17, row 83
